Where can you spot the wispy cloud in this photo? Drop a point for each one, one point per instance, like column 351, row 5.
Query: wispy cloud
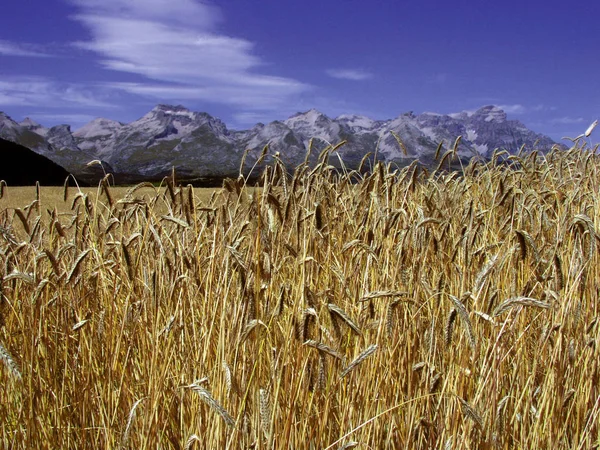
column 251, row 118
column 349, row 74
column 270, row 93
column 568, row 120
column 526, row 109
column 542, row 108
column 176, row 46
column 513, row 109
column 39, row 91
column 71, row 119
column 9, row 48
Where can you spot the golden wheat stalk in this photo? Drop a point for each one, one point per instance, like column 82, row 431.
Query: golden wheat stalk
column 80, row 324
column 191, row 440
column 507, row 305
column 337, row 312
column 24, row 277
column 309, row 316
column 464, row 316
column 568, row 397
column 500, row 413
column 558, row 274
column 250, row 326
column 382, row 294
column 449, row 327
column 6, row 233
column 400, row 143
column 129, row 422
column 265, row 412
column 75, row 269
column 182, row 223
column 207, row 398
column 23, row 220
column 389, row 317
column 484, row 273
column 359, row 359
column 470, row 412
column 10, row 363
column 324, row 348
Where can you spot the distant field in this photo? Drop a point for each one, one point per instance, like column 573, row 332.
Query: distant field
column 399, row 309
column 53, row 196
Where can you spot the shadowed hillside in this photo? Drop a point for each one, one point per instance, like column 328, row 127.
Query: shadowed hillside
column 21, row 166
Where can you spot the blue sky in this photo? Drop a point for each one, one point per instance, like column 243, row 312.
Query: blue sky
column 69, row 61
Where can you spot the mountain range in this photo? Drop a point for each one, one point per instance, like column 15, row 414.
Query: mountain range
column 201, row 147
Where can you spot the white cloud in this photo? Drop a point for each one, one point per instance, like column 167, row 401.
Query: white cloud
column 193, row 13
column 175, row 45
column 467, row 112
column 513, row 109
column 543, row 108
column 7, row 98
column 21, row 49
column 71, row 119
column 349, row 74
column 568, row 120
column 522, row 109
column 39, row 91
column 270, row 93
column 251, row 118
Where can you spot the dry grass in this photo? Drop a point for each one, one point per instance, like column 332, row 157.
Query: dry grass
column 331, row 310
column 52, row 196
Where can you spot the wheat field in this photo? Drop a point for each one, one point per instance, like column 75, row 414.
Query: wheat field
column 328, row 309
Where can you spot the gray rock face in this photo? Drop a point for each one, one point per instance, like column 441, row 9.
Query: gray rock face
column 199, row 145
column 32, row 125
column 23, row 135
column 195, row 143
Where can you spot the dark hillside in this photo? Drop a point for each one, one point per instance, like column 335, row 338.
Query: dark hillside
column 20, row 166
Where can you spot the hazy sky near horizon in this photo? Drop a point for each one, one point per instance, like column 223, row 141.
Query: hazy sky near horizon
column 70, row 61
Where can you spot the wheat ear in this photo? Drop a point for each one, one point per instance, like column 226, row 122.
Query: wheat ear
column 10, row 363
column 359, row 359
column 207, row 398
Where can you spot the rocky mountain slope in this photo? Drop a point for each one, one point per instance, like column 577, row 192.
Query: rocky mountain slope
column 200, row 146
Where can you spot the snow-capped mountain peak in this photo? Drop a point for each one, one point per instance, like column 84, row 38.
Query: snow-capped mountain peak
column 356, row 122
column 178, row 111
column 98, row 127
column 174, row 122
column 491, row 113
column 313, row 124
column 310, row 118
